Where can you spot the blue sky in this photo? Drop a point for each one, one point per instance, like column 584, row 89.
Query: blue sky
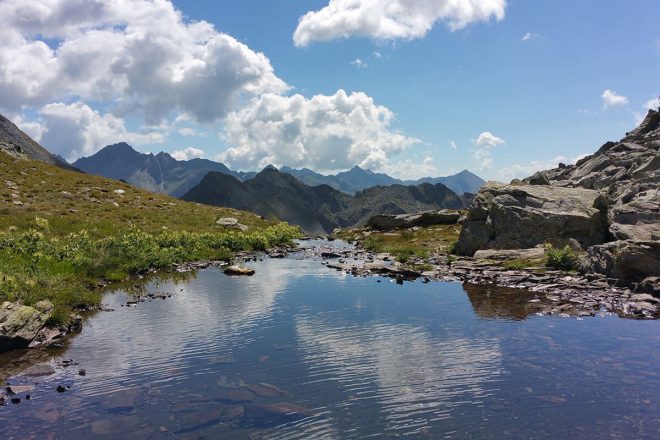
column 502, row 94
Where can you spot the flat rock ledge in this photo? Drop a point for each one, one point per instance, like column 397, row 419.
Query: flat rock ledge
column 551, row 292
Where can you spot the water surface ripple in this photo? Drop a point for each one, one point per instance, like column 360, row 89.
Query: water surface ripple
column 300, row 351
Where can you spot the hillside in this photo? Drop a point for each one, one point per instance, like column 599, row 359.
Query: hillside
column 317, row 209
column 62, row 233
column 18, row 144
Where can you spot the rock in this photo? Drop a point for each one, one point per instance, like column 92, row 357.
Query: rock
column 19, row 324
column 239, row 270
column 119, row 192
column 626, row 259
column 510, row 254
column 39, row 370
column 231, row 222
column 329, row 254
column 539, row 178
column 518, row 217
column 19, row 389
column 61, row 389
column 271, row 415
column 404, row 221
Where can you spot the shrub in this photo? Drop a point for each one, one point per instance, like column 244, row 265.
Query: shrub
column 561, row 258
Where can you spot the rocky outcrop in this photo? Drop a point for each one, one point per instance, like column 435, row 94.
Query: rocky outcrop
column 20, row 325
column 403, row 221
column 609, row 202
column 523, row 216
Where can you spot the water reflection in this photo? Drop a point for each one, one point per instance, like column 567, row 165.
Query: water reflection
column 412, row 376
column 493, row 302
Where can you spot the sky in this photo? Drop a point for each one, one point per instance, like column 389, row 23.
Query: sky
column 412, row 88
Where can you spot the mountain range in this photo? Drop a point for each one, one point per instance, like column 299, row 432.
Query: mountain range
column 163, row 173
column 321, row 208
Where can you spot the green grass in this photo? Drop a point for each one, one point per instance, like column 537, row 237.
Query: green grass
column 406, row 244
column 58, row 245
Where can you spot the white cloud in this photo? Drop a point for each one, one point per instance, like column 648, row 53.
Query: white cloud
column 652, row 104
column 529, row 36
column 187, row 131
column 377, row 54
column 485, row 142
column 34, row 129
column 520, row 171
column 612, row 99
column 411, row 169
column 326, row 133
column 77, row 130
column 187, row 153
column 391, row 19
column 488, row 140
column 453, row 145
column 139, row 55
column 359, row 63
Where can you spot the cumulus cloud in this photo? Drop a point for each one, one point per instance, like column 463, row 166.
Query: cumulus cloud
column 141, row 55
column 652, row 104
column 612, row 99
column 76, row 130
column 324, row 132
column 187, row 153
column 520, row 171
column 453, row 145
column 34, row 129
column 391, row 19
column 484, row 143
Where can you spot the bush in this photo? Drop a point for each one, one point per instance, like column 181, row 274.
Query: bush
column 563, row 259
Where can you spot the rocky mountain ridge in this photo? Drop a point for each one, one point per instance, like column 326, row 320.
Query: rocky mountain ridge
column 162, row 173
column 317, row 209
column 609, row 203
column 16, row 143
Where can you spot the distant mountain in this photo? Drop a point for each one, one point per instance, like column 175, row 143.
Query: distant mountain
column 160, row 173
column 358, row 179
column 18, row 144
column 320, row 208
column 463, row 182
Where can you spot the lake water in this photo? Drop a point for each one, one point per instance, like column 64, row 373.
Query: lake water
column 301, row 351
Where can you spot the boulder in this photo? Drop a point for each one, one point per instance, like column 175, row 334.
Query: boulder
column 524, row 216
column 231, row 222
column 404, row 221
column 20, row 324
column 626, row 259
column 239, row 270
column 535, row 253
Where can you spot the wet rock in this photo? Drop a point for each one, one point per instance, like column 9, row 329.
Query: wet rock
column 39, row 371
column 19, row 389
column 239, row 270
column 265, row 390
column 61, row 389
column 271, row 415
column 329, row 254
column 19, row 325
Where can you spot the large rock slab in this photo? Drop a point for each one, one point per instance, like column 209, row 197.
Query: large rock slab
column 626, row 259
column 20, row 324
column 524, row 216
column 422, row 219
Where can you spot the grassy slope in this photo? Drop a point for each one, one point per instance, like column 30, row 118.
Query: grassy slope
column 73, row 229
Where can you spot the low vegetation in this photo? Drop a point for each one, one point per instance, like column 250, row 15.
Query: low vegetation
column 407, row 245
column 70, row 230
column 561, row 258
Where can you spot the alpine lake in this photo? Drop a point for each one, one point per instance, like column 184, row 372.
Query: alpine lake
column 302, row 351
